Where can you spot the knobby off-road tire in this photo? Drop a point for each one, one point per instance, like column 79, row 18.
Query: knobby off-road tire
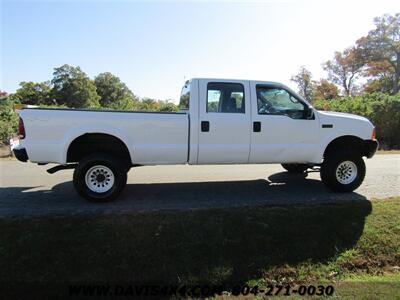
column 295, row 168
column 343, row 172
column 100, row 177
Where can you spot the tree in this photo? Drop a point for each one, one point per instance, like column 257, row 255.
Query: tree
column 344, row 69
column 382, row 44
column 169, row 106
column 113, row 92
column 8, row 118
column 34, row 93
column 325, row 90
column 73, row 88
column 4, row 98
column 148, row 104
column 381, row 76
column 304, row 82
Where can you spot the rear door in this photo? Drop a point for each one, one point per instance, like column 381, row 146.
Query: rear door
column 224, row 117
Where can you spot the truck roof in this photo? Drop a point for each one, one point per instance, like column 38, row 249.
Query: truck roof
column 231, row 79
column 273, row 83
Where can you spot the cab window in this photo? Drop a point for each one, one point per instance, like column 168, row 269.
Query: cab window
column 278, row 101
column 225, row 98
column 185, row 96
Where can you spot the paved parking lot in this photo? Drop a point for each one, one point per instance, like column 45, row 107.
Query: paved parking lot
column 28, row 190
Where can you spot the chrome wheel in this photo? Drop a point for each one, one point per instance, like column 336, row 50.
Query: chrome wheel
column 346, row 172
column 99, row 179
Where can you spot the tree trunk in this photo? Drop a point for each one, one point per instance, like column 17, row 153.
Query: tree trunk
column 396, row 75
column 346, row 88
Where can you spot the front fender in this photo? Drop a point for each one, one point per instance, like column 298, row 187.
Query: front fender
column 368, row 150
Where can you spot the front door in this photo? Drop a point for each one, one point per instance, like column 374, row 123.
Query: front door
column 286, row 130
column 224, row 131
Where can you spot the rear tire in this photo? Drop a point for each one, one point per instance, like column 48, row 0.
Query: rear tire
column 100, row 177
column 343, row 172
column 295, row 168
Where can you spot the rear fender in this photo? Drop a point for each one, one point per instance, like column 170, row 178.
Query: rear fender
column 74, row 133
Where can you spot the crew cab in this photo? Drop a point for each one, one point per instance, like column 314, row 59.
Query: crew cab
column 220, row 122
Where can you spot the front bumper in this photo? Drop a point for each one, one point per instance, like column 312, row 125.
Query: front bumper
column 21, row 154
column 370, row 147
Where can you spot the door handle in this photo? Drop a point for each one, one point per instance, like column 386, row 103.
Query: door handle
column 256, row 126
column 205, row 126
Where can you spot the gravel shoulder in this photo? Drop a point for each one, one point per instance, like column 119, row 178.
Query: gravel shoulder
column 28, row 190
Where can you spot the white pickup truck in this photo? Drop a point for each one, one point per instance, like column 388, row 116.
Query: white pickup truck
column 220, row 122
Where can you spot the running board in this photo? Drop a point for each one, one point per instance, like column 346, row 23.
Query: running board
column 61, row 167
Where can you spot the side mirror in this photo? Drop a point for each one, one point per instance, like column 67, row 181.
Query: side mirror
column 309, row 113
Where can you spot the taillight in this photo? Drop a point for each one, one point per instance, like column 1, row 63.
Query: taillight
column 373, row 134
column 21, row 129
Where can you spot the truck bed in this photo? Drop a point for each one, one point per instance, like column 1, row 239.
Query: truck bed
column 151, row 137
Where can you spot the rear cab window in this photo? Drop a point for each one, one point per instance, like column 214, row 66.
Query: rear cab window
column 225, row 97
column 185, row 96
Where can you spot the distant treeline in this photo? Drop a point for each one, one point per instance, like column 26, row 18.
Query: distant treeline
column 371, row 65
column 363, row 79
column 71, row 87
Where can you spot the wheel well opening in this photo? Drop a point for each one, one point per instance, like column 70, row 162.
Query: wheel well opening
column 346, row 144
column 97, row 142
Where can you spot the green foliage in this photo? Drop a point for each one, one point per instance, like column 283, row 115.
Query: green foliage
column 113, row 92
column 383, row 110
column 34, row 93
column 168, row 106
column 148, row 104
column 8, row 118
column 72, row 87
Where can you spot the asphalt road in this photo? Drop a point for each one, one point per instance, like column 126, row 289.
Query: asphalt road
column 28, row 190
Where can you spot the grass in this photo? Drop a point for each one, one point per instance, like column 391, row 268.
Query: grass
column 334, row 243
column 369, row 287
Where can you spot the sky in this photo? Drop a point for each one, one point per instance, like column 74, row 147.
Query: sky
column 154, row 46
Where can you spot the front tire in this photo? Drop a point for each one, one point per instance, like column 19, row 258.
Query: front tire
column 99, row 177
column 343, row 172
